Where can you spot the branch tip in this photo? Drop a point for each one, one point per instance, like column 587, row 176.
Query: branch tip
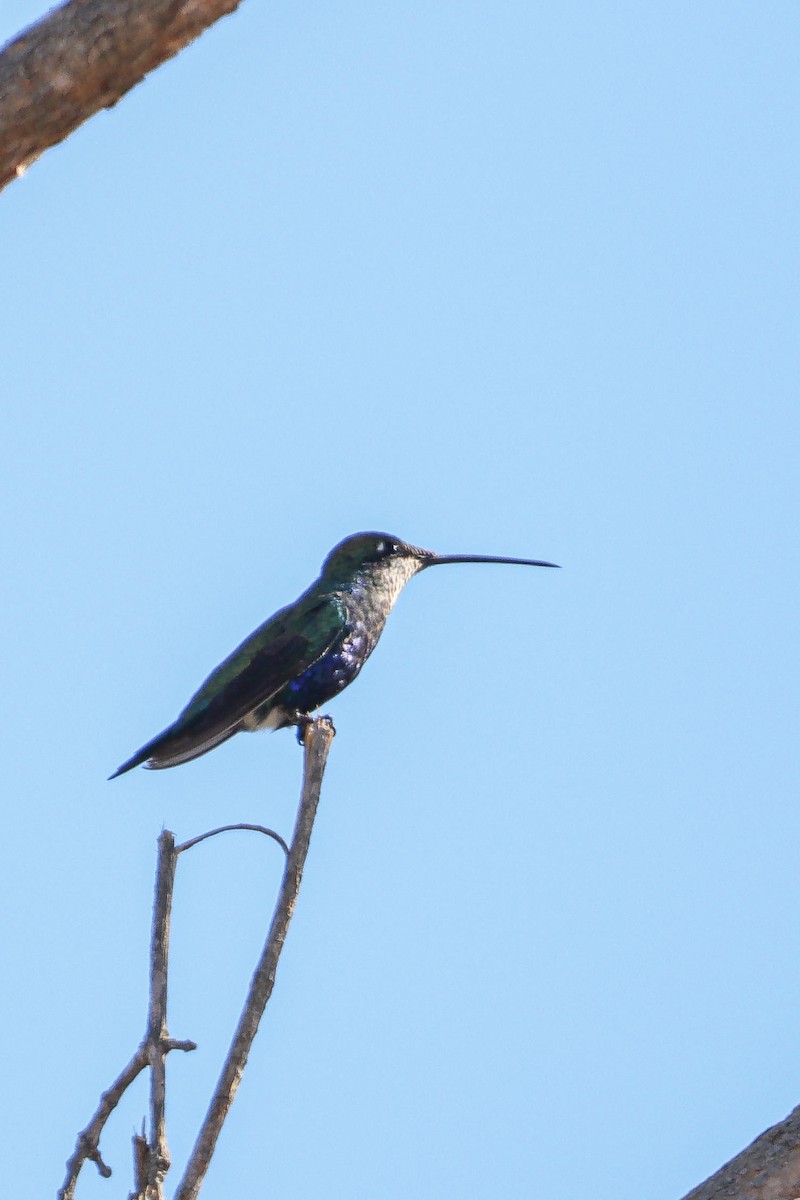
column 95, row 1157
column 178, row 1044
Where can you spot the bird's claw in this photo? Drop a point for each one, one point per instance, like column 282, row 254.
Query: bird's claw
column 304, row 720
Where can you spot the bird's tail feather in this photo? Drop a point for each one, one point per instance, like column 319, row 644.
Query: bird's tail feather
column 171, row 748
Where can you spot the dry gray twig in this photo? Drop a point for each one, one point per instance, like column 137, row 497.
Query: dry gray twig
column 317, row 739
column 156, row 1037
column 151, row 1157
column 152, row 1051
column 87, row 1145
column 276, row 837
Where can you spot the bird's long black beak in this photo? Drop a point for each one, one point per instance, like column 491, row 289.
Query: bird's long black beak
column 438, row 560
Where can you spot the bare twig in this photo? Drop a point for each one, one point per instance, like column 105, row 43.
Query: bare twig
column 769, row 1169
column 317, row 739
column 86, row 1147
column 152, row 1051
column 157, row 1015
column 151, row 1157
column 82, row 57
column 276, row 837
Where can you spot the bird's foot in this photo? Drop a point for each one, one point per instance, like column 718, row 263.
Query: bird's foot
column 304, row 720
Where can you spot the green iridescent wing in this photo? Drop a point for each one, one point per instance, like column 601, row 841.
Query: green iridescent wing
column 278, row 651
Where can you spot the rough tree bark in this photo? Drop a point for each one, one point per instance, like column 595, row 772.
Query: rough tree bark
column 769, row 1169
column 83, row 57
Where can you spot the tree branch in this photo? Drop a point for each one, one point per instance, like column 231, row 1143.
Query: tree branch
column 155, row 1038
column 769, row 1169
column 201, row 837
column 152, row 1052
column 83, row 57
column 88, row 1143
column 151, row 1158
column 317, row 738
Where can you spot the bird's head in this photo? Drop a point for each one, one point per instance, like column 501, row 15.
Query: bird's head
column 374, row 554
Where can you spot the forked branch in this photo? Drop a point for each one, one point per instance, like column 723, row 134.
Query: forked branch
column 317, row 738
column 152, row 1051
column 151, row 1154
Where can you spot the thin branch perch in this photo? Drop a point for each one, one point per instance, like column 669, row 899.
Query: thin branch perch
column 83, row 57
column 201, row 837
column 152, row 1051
column 151, row 1157
column 317, row 738
column 155, row 1039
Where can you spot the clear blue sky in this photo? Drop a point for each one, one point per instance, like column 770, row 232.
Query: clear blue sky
column 506, row 278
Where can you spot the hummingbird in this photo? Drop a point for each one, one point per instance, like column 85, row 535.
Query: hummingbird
column 306, row 653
